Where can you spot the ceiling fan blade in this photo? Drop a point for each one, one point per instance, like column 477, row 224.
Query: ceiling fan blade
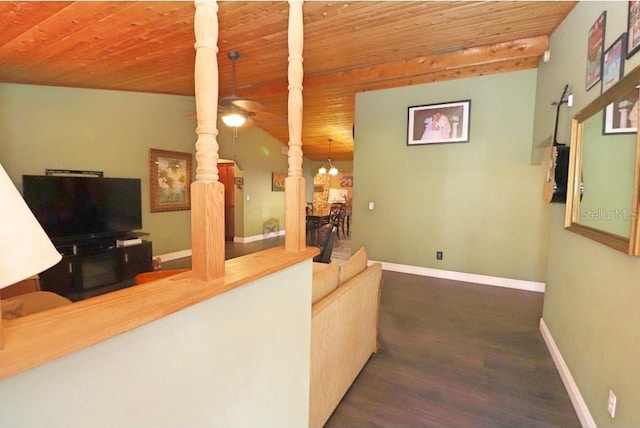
column 269, row 118
column 227, row 101
column 248, row 105
column 233, row 103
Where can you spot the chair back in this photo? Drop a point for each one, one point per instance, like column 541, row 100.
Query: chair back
column 326, row 238
column 337, row 214
column 336, row 211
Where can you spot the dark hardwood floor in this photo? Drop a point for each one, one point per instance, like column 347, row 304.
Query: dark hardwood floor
column 231, row 250
column 457, row 355
column 452, row 355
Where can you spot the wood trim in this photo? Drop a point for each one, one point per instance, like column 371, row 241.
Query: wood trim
column 630, row 245
column 207, row 210
column 295, row 238
column 36, row 339
column 616, row 242
column 377, row 76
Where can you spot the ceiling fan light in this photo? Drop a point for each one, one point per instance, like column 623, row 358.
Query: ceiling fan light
column 234, row 120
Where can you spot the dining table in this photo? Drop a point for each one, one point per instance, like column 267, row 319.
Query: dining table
column 316, row 218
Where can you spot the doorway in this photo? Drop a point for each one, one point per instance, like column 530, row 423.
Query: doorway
column 226, row 176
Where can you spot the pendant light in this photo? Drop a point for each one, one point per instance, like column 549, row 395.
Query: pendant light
column 332, row 169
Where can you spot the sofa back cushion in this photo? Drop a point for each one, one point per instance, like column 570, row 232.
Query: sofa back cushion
column 353, row 266
column 325, row 279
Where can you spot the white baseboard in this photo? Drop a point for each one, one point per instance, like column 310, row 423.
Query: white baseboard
column 254, row 238
column 580, row 406
column 187, row 253
column 495, row 281
column 174, row 255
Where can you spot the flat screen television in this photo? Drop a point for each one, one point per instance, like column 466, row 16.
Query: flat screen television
column 72, row 207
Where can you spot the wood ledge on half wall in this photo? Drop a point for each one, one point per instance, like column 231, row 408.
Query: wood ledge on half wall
column 38, row 338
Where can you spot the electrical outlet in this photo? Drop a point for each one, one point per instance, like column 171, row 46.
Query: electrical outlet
column 611, row 404
column 439, row 255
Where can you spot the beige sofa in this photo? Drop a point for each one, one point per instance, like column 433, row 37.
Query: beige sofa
column 344, row 327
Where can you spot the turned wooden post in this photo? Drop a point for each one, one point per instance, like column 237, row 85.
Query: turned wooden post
column 207, row 193
column 295, row 220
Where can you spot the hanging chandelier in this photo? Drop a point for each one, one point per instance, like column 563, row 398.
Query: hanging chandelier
column 332, row 169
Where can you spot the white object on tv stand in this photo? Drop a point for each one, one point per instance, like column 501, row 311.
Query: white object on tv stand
column 128, row 242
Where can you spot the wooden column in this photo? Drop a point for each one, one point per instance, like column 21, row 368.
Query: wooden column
column 207, row 193
column 295, row 237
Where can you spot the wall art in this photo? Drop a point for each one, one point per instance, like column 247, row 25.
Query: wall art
column 169, row 180
column 439, row 123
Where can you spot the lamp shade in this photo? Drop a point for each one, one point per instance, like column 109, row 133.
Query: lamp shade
column 25, row 249
column 233, row 120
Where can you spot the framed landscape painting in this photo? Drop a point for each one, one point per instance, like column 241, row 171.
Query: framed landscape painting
column 169, row 180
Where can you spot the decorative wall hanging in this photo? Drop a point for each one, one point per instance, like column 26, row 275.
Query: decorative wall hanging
column 633, row 28
column 346, row 181
column 169, row 180
column 439, row 123
column 277, row 181
column 613, row 62
column 595, row 50
column 621, row 116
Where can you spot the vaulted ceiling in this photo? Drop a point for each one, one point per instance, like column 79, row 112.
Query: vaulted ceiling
column 349, row 47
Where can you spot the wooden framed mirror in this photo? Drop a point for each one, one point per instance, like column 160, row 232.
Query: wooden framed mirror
column 602, row 194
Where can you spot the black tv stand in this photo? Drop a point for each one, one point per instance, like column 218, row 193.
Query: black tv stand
column 92, row 266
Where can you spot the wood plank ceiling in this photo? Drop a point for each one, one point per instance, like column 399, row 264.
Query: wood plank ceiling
column 349, row 47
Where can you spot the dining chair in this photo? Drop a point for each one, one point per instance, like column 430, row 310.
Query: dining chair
column 337, row 214
column 326, row 238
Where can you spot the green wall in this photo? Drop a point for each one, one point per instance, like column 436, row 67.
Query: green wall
column 478, row 202
column 64, row 128
column 257, row 154
column 592, row 293
column 239, row 359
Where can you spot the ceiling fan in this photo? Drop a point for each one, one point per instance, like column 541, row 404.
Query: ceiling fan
column 234, row 110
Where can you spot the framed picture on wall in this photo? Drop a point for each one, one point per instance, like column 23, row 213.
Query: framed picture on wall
column 595, row 50
column 633, row 28
column 613, row 62
column 621, row 116
column 439, row 123
column 169, row 180
column 277, row 181
column 346, row 181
